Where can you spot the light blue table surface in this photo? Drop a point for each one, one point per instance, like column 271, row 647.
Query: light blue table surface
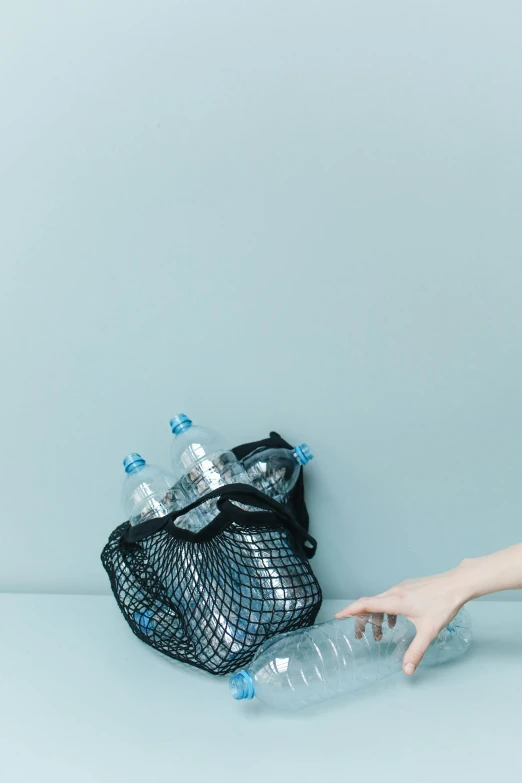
column 81, row 699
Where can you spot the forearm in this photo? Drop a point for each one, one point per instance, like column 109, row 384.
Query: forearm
column 483, row 575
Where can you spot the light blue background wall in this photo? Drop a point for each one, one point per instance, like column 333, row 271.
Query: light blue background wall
column 292, row 215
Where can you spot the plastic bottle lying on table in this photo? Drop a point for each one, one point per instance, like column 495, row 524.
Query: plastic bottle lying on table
column 305, row 667
column 275, row 471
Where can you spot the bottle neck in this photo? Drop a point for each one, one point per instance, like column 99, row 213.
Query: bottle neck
column 135, row 467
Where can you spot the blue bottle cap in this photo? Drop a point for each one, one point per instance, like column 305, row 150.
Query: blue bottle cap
column 180, row 423
column 242, row 685
column 303, row 454
column 133, row 462
column 144, row 621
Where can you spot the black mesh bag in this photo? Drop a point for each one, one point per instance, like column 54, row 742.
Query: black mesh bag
column 211, row 598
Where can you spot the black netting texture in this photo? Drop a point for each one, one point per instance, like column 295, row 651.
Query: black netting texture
column 210, row 599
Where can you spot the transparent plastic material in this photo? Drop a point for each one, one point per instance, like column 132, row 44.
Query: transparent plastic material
column 209, row 601
column 147, row 491
column 275, row 471
column 201, row 461
column 305, row 667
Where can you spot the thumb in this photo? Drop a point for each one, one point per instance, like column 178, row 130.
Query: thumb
column 415, row 652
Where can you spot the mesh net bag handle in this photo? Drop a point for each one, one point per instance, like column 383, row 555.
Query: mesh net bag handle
column 271, row 514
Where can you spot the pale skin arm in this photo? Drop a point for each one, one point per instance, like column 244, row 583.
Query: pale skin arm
column 433, row 601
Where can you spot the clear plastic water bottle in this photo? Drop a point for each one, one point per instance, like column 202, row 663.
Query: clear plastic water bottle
column 147, row 491
column 275, row 471
column 201, row 461
column 301, row 668
column 158, row 623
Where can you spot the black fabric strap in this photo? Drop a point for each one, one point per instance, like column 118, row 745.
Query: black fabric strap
column 275, row 441
column 272, row 514
column 296, row 500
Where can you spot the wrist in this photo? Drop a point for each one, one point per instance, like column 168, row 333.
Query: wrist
column 470, row 580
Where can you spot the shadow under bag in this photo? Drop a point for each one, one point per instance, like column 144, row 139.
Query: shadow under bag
column 212, row 598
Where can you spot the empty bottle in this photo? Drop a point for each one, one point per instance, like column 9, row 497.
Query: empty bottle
column 201, row 461
column 275, row 471
column 159, row 623
column 147, row 491
column 301, row 668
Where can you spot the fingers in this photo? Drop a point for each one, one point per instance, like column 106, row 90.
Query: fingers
column 376, row 620
column 360, row 625
column 362, row 606
column 415, row 651
column 377, row 626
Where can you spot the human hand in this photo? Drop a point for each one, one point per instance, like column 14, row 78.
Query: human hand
column 430, row 603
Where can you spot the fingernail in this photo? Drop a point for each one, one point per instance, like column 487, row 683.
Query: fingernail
column 409, row 668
